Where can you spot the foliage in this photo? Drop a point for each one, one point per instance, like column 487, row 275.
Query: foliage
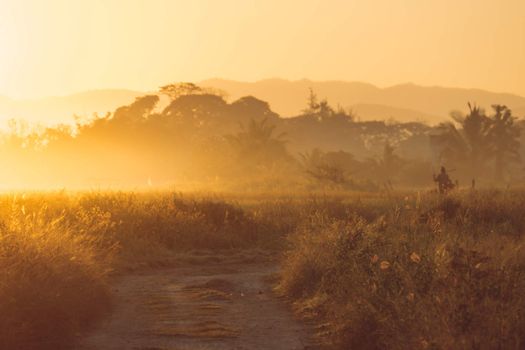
column 177, row 90
column 379, row 271
column 317, row 166
column 52, row 246
column 322, row 109
column 504, row 136
column 197, row 139
column 481, row 140
column 423, row 275
column 257, row 143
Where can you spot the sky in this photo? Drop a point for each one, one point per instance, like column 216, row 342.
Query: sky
column 58, row 47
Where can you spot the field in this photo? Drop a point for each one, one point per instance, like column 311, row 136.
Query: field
column 371, row 270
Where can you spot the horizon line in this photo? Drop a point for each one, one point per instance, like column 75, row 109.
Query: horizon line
column 155, row 91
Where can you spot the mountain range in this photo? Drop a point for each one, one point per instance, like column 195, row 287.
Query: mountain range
column 406, row 102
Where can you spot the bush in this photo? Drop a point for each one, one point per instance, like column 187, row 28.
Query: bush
column 396, row 271
column 47, row 262
column 399, row 282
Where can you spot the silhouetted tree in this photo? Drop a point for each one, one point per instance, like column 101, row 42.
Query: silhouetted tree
column 322, row 110
column 390, row 164
column 176, row 90
column 503, row 135
column 257, row 143
column 467, row 147
column 312, row 104
column 138, row 110
column 317, row 165
column 253, row 108
column 198, row 108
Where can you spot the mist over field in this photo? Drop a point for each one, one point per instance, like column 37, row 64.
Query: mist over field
column 189, row 137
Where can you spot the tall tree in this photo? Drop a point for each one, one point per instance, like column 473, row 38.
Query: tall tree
column 503, row 135
column 390, row 163
column 257, row 143
column 312, row 104
column 468, row 147
column 323, row 168
column 176, row 90
column 140, row 109
column 322, row 110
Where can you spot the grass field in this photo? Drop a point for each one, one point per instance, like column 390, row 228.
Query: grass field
column 408, row 270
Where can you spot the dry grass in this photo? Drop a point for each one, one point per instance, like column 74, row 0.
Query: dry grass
column 378, row 271
column 429, row 273
column 58, row 250
column 53, row 264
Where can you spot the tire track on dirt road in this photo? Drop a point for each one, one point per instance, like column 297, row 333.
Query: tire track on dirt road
column 213, row 306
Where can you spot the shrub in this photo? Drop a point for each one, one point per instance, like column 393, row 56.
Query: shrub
column 398, row 282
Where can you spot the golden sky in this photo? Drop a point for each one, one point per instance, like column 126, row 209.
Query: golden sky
column 54, row 47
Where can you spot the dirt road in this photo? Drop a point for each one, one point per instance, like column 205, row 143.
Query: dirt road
column 212, row 306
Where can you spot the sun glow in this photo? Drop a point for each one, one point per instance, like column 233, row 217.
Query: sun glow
column 8, row 51
column 59, row 47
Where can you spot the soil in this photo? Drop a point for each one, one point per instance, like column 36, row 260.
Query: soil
column 200, row 306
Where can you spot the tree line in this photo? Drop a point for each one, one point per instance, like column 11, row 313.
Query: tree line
column 186, row 134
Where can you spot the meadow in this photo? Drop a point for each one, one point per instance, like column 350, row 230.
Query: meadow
column 372, row 270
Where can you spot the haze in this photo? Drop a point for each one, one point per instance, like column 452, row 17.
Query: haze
column 58, row 47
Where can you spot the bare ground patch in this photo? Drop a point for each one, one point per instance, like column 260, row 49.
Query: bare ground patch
column 223, row 304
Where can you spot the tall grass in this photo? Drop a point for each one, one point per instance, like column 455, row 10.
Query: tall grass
column 378, row 271
column 58, row 250
column 430, row 273
column 54, row 262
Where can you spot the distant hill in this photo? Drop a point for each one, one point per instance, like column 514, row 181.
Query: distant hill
column 380, row 112
column 61, row 109
column 407, row 102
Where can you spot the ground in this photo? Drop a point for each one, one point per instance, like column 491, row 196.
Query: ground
column 207, row 305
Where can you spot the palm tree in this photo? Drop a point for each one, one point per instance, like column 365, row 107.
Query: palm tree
column 468, row 147
column 258, row 143
column 503, row 135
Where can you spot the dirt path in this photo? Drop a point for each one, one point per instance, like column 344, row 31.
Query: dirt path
column 221, row 306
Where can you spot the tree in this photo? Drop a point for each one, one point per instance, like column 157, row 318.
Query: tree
column 174, row 91
column 468, row 147
column 321, row 110
column 249, row 106
column 312, row 104
column 138, row 110
column 257, row 143
column 390, row 164
column 198, row 108
column 316, row 165
column 503, row 135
